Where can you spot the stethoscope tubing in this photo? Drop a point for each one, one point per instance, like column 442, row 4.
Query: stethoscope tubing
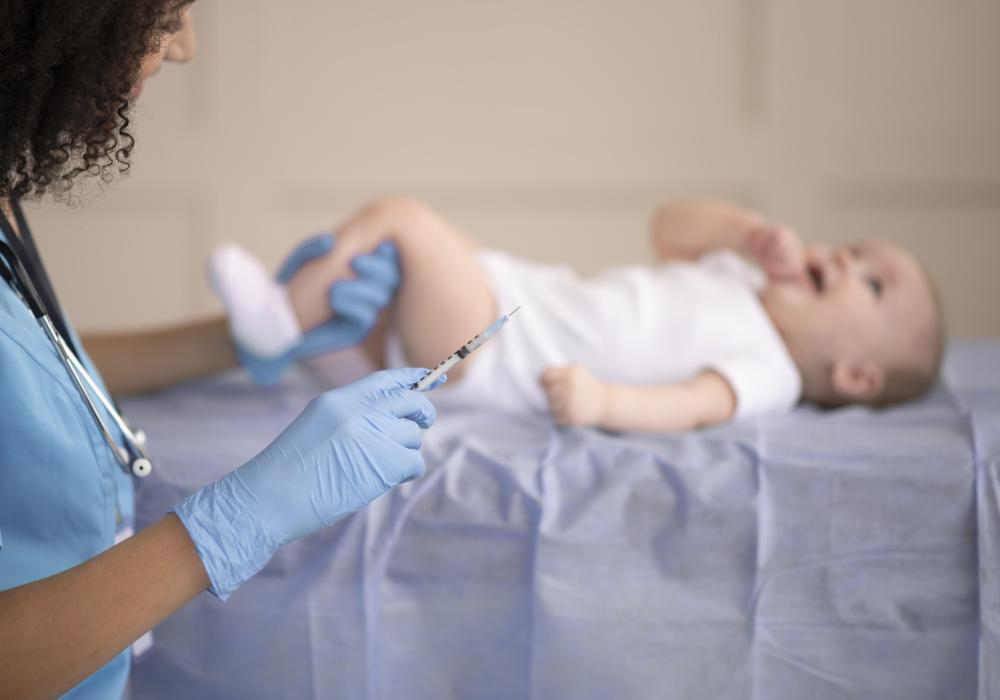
column 136, row 437
column 20, row 281
column 141, row 466
column 56, row 339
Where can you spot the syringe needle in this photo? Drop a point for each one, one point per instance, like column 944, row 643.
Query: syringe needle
column 432, row 376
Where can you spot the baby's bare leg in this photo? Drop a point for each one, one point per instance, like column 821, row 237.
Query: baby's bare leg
column 444, row 298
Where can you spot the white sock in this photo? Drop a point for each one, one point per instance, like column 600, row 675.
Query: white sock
column 260, row 312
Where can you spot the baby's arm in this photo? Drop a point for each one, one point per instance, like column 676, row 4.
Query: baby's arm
column 687, row 230
column 578, row 398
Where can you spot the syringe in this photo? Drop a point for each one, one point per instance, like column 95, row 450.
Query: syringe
column 463, row 352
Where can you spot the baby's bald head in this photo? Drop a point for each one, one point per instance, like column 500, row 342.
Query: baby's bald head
column 866, row 327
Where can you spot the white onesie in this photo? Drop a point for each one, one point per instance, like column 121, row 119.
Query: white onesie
column 636, row 324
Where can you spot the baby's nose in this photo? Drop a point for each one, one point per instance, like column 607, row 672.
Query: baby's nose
column 843, row 258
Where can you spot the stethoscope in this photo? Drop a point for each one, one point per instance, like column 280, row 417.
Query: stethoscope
column 36, row 293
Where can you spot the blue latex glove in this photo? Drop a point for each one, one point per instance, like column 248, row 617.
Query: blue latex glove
column 348, row 447
column 356, row 304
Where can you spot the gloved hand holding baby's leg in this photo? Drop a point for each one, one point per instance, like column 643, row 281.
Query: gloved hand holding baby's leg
column 268, row 331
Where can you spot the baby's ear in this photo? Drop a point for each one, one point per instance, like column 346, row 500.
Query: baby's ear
column 857, row 381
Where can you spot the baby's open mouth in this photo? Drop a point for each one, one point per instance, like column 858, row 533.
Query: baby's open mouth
column 816, row 277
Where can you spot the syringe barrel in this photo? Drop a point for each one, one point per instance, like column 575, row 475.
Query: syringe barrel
column 428, row 379
column 485, row 335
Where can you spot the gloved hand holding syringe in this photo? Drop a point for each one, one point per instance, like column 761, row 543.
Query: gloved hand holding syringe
column 463, row 352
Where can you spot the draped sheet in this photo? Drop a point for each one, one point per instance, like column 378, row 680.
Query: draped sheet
column 836, row 554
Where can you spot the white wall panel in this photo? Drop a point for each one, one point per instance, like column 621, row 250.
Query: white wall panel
column 552, row 129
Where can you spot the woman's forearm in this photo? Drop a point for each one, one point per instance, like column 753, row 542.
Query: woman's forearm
column 57, row 631
column 142, row 361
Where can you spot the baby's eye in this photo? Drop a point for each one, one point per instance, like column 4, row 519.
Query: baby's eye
column 876, row 286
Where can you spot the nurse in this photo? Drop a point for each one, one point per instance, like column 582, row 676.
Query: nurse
column 71, row 599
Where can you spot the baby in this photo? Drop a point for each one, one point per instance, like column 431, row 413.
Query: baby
column 701, row 338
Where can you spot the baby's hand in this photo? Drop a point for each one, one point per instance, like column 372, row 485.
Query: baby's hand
column 575, row 396
column 779, row 252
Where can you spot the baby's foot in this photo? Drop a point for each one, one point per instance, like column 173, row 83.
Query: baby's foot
column 260, row 312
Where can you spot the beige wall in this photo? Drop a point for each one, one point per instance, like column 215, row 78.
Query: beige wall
column 552, row 129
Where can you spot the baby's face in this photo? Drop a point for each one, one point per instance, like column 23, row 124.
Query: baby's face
column 860, row 302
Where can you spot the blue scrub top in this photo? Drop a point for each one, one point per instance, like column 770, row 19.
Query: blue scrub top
column 63, row 494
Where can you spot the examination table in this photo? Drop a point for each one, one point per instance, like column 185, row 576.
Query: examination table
column 844, row 554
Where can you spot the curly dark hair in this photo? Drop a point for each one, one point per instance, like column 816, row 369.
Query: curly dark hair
column 66, row 70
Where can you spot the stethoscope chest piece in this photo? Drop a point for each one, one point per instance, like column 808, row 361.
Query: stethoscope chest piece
column 142, row 467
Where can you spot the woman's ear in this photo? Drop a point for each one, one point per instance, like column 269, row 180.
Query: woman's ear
column 862, row 381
